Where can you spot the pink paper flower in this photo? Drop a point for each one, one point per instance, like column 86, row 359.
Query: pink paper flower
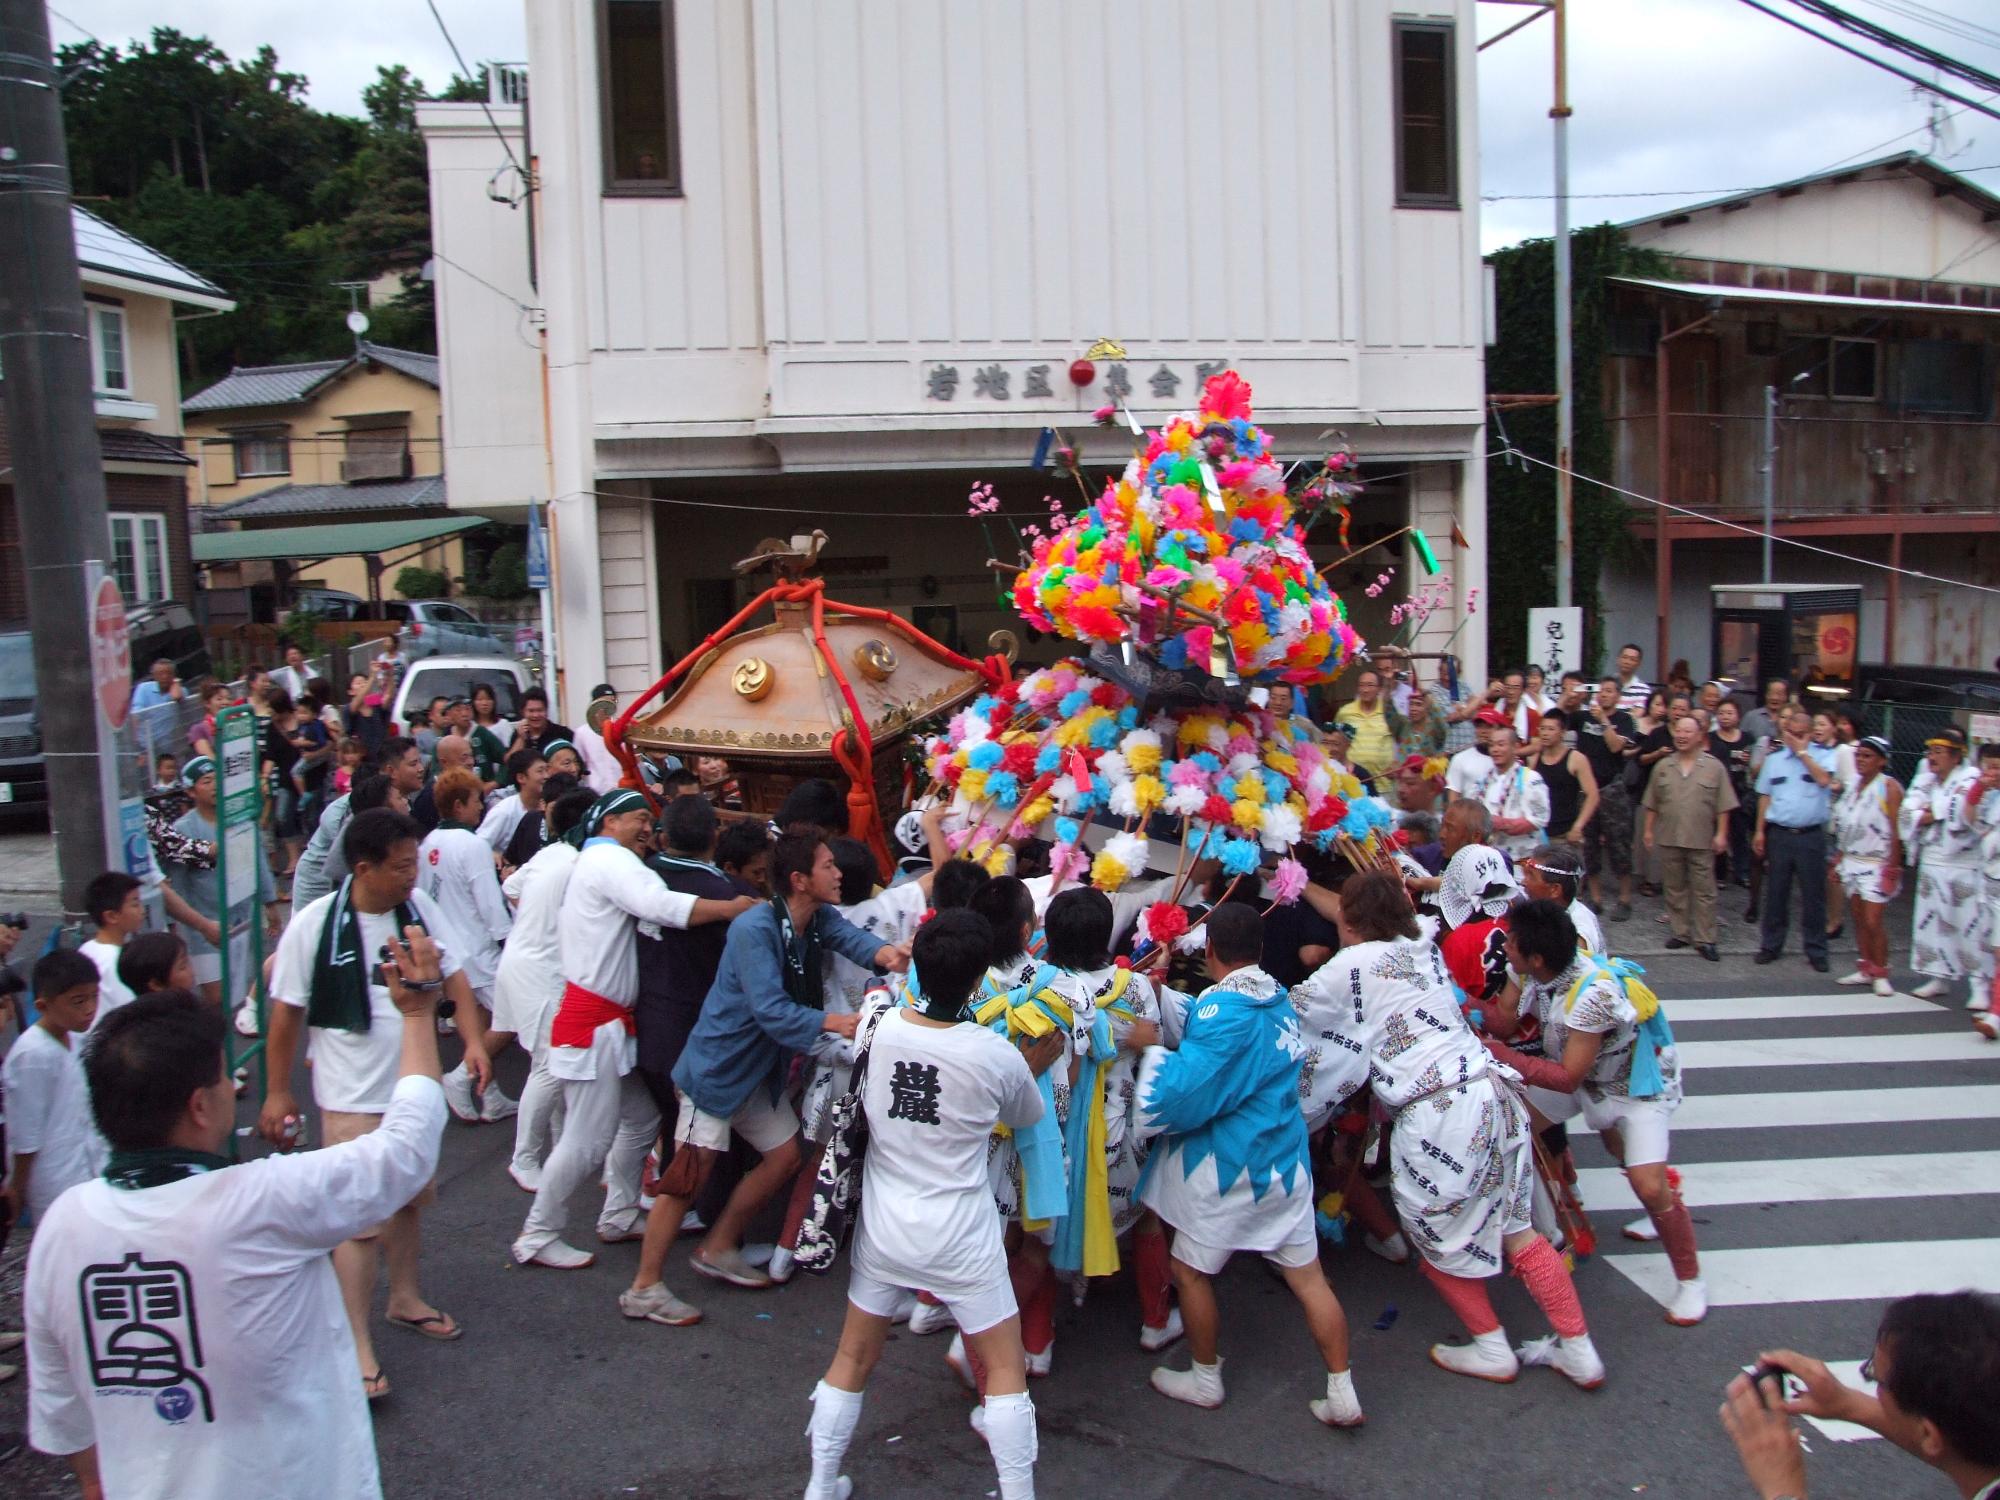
column 1288, row 882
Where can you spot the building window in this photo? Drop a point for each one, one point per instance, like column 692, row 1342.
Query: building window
column 1852, row 368
column 139, row 555
column 1426, row 117
column 375, row 453
column 1946, row 378
column 107, row 350
column 260, row 455
column 641, row 116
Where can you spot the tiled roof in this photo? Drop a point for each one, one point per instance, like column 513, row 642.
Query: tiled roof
column 103, row 246
column 337, row 499
column 131, row 446
column 287, row 385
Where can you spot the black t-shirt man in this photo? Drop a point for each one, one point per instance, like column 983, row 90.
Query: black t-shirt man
column 1608, row 766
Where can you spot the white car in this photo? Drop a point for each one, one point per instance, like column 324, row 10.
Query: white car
column 431, row 677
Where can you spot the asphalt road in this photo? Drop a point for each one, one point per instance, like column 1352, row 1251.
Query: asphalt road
column 552, row 1393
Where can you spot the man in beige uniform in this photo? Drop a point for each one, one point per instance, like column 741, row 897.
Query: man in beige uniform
column 1687, row 803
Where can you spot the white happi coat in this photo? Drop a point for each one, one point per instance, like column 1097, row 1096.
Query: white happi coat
column 1461, row 1165
column 1518, row 792
column 1948, row 931
column 530, row 982
column 455, row 869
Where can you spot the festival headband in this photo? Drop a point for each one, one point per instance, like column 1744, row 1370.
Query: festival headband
column 195, row 769
column 1952, row 741
column 1876, row 743
column 554, row 745
column 623, row 800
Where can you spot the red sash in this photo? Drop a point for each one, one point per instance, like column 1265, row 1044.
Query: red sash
column 581, row 1013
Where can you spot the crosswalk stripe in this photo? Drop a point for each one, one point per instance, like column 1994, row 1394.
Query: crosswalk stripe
column 1874, row 1271
column 1828, row 1051
column 1813, row 1179
column 1797, row 1007
column 1837, row 1107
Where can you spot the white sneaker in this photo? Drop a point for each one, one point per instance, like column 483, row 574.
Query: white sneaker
column 527, row 1176
column 246, row 1019
column 1340, row 1407
column 1576, row 1358
column 1395, row 1249
column 1854, row 980
column 1987, row 1025
column 758, row 1254
column 458, row 1095
column 628, row 1226
column 1930, row 989
column 495, row 1106
column 1883, row 987
column 960, row 1362
column 1642, row 1228
column 978, row 1420
column 658, row 1305
column 556, row 1255
column 930, row 1317
column 841, row 1489
column 1040, row 1364
column 1487, row 1357
column 1690, row 1304
column 1153, row 1340
column 691, row 1223
column 784, row 1262
column 1198, row 1386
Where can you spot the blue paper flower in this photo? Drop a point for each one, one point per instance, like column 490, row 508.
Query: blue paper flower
column 1239, row 857
column 1104, row 734
column 1074, row 703
column 1173, row 655
column 985, row 755
column 1050, row 759
column 1068, row 830
column 1004, row 787
column 1128, row 717
column 1275, row 787
column 1208, row 760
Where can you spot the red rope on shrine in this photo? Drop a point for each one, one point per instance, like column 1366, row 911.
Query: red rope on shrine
column 853, row 746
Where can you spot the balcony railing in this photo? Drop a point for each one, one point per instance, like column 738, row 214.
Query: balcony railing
column 1827, row 464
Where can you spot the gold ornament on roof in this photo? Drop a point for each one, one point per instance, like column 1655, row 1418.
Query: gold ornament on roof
column 753, row 678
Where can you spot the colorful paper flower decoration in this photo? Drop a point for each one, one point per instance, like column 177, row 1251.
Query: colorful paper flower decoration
column 1194, row 555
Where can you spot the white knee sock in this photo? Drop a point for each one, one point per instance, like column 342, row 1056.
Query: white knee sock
column 1010, row 1434
column 836, row 1413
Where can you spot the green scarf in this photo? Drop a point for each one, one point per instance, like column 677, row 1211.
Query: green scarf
column 338, row 999
column 159, row 1166
column 802, row 971
column 444, row 823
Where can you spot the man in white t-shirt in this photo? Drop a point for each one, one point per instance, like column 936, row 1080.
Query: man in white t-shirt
column 1468, row 771
column 52, row 1143
column 1516, row 796
column 185, row 1324
column 455, row 869
column 935, row 1089
column 325, row 982
column 115, row 902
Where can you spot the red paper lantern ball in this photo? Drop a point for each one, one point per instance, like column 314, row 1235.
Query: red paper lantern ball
column 1081, row 372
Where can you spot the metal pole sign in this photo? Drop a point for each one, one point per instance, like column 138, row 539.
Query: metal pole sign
column 239, row 811
column 1555, row 640
column 538, row 549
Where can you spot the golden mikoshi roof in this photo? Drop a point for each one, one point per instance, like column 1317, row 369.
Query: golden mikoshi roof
column 769, row 691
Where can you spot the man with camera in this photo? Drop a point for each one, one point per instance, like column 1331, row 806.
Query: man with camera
column 187, row 1333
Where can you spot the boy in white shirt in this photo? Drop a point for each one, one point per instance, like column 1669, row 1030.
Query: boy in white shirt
column 325, row 982
column 114, row 902
column 455, row 869
column 52, row 1142
column 936, row 1086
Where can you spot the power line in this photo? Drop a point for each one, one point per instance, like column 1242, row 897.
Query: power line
column 1896, row 42
column 1757, row 531
column 484, row 108
column 1907, row 77
column 1923, row 15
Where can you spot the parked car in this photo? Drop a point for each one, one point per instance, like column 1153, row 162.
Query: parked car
column 437, row 627
column 1909, row 702
column 455, row 677
column 23, row 781
column 167, row 629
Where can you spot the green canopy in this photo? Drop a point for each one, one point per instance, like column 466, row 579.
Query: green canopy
column 300, row 544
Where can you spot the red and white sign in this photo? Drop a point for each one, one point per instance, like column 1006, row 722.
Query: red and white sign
column 110, row 653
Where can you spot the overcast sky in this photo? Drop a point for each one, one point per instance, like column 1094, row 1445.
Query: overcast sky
column 1683, row 98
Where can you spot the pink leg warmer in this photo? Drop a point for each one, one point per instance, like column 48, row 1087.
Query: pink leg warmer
column 1465, row 1297
column 1038, row 1312
column 1155, row 1277
column 1677, row 1238
column 1542, row 1273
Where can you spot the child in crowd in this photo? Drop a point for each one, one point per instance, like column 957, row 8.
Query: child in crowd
column 166, row 773
column 348, row 758
column 117, row 910
column 52, row 1138
column 155, row 961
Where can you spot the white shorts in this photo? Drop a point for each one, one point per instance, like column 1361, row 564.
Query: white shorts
column 207, row 967
column 766, row 1126
column 1642, row 1124
column 1862, row 878
column 1299, row 1250
column 975, row 1313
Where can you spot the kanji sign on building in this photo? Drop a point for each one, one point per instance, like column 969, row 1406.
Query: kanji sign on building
column 110, row 652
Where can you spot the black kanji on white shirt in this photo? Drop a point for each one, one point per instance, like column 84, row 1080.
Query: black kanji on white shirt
column 914, row 1093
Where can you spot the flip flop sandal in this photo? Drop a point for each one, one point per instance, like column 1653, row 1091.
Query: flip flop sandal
column 375, row 1386
column 437, row 1326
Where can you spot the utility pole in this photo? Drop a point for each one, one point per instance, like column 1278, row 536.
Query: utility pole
column 1565, row 396
column 58, row 478
column 1770, row 470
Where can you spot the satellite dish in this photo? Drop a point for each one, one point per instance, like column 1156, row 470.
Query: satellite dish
column 357, row 322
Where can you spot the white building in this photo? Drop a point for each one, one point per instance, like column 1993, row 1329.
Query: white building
column 827, row 264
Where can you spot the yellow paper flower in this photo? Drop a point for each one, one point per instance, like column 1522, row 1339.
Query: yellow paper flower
column 973, row 785
column 1148, row 792
column 1107, row 874
column 1243, row 813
